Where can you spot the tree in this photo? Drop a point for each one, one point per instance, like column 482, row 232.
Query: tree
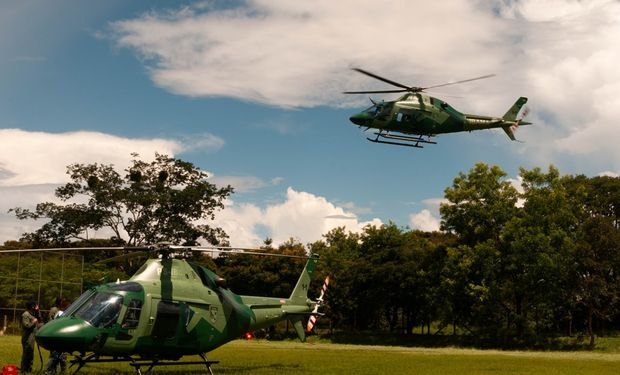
column 479, row 204
column 514, row 255
column 164, row 200
column 596, row 256
column 598, row 269
column 263, row 275
column 535, row 252
column 387, row 276
column 340, row 259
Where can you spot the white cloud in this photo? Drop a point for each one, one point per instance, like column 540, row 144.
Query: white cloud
column 516, row 183
column 203, row 142
column 21, row 196
column 434, row 203
column 428, row 218
column 424, row 221
column 354, row 208
column 33, row 164
column 303, row 216
column 562, row 54
column 346, row 217
column 29, row 158
column 298, row 53
column 571, row 70
column 244, row 184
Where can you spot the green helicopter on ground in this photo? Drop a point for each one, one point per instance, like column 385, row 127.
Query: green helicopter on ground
column 168, row 309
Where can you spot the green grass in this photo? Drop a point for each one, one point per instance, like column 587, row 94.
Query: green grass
column 286, row 357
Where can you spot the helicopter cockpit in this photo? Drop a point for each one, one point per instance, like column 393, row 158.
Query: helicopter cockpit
column 101, row 310
column 378, row 111
column 113, row 308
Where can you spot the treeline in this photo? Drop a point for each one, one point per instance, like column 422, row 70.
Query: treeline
column 512, row 265
column 515, row 262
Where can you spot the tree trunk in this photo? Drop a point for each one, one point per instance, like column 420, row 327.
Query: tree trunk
column 590, row 330
column 520, row 318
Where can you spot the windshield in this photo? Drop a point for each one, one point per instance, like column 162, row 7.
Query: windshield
column 101, row 310
column 371, row 110
column 81, row 299
column 379, row 109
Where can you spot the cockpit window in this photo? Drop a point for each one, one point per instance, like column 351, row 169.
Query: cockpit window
column 101, row 310
column 371, row 110
column 78, row 302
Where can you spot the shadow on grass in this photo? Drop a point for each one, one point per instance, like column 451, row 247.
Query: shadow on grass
column 292, row 368
column 217, row 369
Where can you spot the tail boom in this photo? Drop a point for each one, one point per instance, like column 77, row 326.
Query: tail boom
column 269, row 310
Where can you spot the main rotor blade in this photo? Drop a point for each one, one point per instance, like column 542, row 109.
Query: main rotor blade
column 457, row 82
column 375, row 91
column 231, row 250
column 393, row 83
column 146, row 250
column 122, row 257
column 69, row 249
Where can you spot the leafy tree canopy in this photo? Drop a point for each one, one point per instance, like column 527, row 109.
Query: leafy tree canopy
column 164, row 200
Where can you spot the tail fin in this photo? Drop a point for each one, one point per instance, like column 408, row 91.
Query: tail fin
column 511, row 116
column 299, row 295
column 512, row 113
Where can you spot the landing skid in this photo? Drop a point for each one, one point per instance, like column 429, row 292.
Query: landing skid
column 138, row 363
column 409, row 141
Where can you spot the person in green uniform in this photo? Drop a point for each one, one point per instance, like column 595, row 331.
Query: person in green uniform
column 56, row 357
column 31, row 321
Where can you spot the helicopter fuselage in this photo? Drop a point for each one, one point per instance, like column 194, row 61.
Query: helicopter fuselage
column 168, row 309
column 423, row 115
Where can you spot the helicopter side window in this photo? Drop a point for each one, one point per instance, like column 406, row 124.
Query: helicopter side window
column 101, row 310
column 132, row 317
column 167, row 320
column 384, row 110
column 399, row 116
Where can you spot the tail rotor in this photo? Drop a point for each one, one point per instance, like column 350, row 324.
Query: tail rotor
column 319, row 302
column 516, row 124
column 510, row 122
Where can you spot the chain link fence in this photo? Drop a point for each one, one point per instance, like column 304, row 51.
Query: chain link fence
column 40, row 277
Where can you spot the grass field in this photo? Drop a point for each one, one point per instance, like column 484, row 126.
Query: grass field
column 264, row 357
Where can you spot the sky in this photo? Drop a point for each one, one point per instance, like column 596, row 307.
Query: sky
column 251, row 92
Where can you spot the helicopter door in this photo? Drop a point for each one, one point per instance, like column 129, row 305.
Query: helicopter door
column 167, row 320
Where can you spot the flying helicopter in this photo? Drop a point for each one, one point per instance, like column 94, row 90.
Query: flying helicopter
column 415, row 117
column 168, row 309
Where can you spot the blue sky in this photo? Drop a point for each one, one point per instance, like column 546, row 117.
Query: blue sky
column 250, row 91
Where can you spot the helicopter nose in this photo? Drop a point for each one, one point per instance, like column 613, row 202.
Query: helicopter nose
column 67, row 334
column 361, row 119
